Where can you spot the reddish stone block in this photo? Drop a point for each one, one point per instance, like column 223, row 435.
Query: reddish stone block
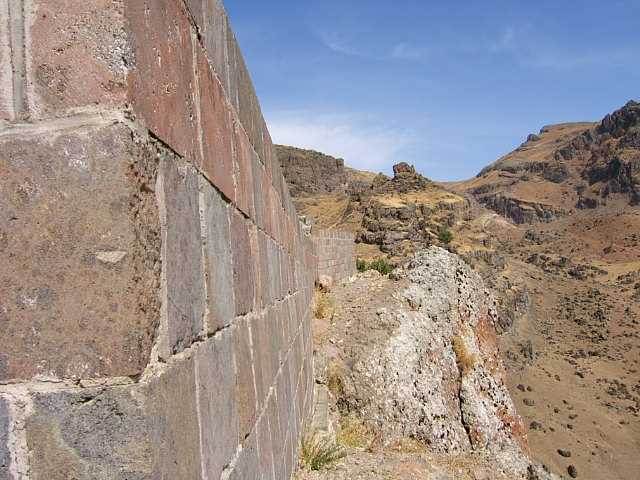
column 214, row 30
column 78, row 55
column 216, row 130
column 162, row 84
column 244, row 172
column 80, row 254
column 244, row 274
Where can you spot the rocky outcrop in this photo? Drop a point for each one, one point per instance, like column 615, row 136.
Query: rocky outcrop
column 308, row 172
column 405, row 179
column 427, row 366
column 520, row 211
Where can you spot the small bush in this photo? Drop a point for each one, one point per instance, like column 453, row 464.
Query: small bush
column 381, row 265
column 319, row 452
column 335, row 382
column 445, row 236
column 323, row 305
column 465, row 360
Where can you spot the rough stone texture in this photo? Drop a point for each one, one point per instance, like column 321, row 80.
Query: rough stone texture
column 218, row 411
column 80, row 250
column 243, row 264
column 308, row 172
column 91, row 434
column 5, row 459
column 149, row 245
column 182, row 254
column 216, row 130
column 162, row 45
column 218, row 265
column 427, row 366
column 78, row 55
column 336, row 254
column 245, row 388
column 6, row 73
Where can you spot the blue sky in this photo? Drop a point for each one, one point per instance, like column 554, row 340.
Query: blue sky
column 447, row 86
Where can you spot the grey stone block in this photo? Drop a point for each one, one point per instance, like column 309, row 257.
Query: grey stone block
column 248, row 466
column 216, row 377
column 182, row 253
column 245, row 387
column 5, row 458
column 219, row 270
column 92, row 434
column 265, row 449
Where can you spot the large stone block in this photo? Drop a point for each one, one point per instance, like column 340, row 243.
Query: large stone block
column 6, row 71
column 218, row 411
column 218, row 265
column 162, row 84
column 181, row 254
column 217, row 130
column 265, row 448
column 121, row 433
column 248, row 465
column 89, row 434
column 245, row 388
column 243, row 264
column 80, row 253
column 77, row 55
column 5, row 458
column 262, row 356
column 244, row 172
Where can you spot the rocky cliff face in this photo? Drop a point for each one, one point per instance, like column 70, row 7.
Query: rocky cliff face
column 308, row 172
column 418, row 358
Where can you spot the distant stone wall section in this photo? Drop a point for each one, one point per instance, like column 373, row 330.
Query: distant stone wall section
column 336, row 253
column 156, row 284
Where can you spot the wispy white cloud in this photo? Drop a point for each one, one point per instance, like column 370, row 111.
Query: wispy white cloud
column 363, row 143
column 337, row 43
column 410, row 51
column 529, row 48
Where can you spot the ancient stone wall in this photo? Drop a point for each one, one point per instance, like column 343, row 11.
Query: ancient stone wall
column 336, row 253
column 156, row 284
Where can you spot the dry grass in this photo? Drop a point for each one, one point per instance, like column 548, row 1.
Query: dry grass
column 465, row 360
column 318, row 452
column 408, row 445
column 354, row 432
column 323, row 305
column 335, row 383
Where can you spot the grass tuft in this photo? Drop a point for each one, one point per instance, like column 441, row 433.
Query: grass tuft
column 323, row 305
column 318, row 452
column 354, row 432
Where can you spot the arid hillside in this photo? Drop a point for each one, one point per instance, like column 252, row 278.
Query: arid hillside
column 554, row 230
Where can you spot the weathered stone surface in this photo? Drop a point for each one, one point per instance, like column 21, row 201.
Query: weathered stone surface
column 243, row 264
column 79, row 248
column 245, row 388
column 244, row 172
column 162, row 84
column 173, row 423
column 265, row 448
column 262, row 356
column 248, row 466
column 6, row 77
column 181, row 253
column 216, row 130
column 218, row 411
column 5, row 459
column 214, row 30
column 218, row 267
column 78, row 55
column 92, row 434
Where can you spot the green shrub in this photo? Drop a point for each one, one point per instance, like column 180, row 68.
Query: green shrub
column 361, row 265
column 319, row 452
column 445, row 236
column 381, row 265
